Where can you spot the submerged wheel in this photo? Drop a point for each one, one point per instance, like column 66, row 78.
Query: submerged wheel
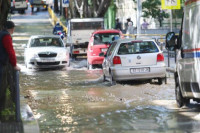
column 89, row 66
column 104, row 78
column 112, row 81
column 180, row 100
column 160, row 81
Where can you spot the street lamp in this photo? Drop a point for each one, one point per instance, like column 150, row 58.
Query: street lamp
column 139, row 10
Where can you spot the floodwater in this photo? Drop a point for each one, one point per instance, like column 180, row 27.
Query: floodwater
column 75, row 99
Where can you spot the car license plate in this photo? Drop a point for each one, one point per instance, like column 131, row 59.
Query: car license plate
column 46, row 60
column 140, row 70
column 104, row 50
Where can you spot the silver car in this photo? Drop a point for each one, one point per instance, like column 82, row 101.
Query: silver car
column 130, row 59
column 46, row 51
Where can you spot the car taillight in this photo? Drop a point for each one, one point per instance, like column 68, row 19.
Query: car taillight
column 76, row 52
column 160, row 57
column 116, row 60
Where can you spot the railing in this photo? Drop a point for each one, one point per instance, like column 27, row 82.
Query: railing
column 10, row 104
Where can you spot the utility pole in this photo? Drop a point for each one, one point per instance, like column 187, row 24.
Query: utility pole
column 139, row 11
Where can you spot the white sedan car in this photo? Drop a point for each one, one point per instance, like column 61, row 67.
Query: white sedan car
column 46, row 51
column 130, row 59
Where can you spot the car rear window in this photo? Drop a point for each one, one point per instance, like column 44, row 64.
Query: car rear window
column 137, row 47
column 105, row 38
column 46, row 42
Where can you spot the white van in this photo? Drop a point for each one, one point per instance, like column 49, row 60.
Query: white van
column 38, row 4
column 187, row 44
column 19, row 5
column 79, row 33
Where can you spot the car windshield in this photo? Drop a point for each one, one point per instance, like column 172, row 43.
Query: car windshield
column 46, row 42
column 105, row 38
column 137, row 47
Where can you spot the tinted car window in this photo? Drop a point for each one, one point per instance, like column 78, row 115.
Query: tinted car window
column 19, row 0
column 46, row 42
column 86, row 25
column 137, row 47
column 105, row 38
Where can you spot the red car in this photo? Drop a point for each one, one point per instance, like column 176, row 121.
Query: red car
column 99, row 42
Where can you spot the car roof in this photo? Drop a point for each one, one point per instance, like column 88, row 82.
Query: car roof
column 134, row 40
column 106, row 31
column 43, row 36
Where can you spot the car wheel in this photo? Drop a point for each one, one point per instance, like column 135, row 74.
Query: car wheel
column 74, row 57
column 104, row 78
column 68, row 64
column 180, row 100
column 160, row 81
column 112, row 81
column 89, row 66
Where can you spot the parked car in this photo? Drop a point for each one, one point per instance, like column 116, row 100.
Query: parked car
column 99, row 42
column 129, row 59
column 46, row 51
column 19, row 5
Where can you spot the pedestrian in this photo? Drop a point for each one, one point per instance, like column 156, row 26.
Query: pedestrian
column 118, row 25
column 7, row 59
column 130, row 29
column 145, row 24
column 126, row 24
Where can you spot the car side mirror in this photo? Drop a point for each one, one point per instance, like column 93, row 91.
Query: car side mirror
column 171, row 41
column 102, row 54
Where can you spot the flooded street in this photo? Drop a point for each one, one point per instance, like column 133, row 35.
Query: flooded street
column 74, row 99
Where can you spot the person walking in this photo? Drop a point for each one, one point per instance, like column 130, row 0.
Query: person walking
column 126, row 24
column 7, row 58
column 118, row 25
column 130, row 29
column 145, row 24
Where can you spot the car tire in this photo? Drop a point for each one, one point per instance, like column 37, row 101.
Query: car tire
column 68, row 64
column 160, row 81
column 89, row 66
column 104, row 78
column 112, row 81
column 180, row 100
column 74, row 57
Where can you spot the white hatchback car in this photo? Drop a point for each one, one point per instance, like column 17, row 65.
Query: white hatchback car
column 46, row 51
column 130, row 59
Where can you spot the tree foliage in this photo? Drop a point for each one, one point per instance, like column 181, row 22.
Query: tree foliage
column 151, row 8
column 4, row 10
column 88, row 8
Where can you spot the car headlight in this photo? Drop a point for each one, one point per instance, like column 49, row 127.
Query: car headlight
column 61, row 54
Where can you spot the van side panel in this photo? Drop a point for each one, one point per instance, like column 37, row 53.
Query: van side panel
column 189, row 63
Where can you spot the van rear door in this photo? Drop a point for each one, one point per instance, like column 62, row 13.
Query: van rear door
column 20, row 4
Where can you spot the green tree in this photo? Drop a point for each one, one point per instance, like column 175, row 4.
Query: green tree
column 4, row 10
column 151, row 8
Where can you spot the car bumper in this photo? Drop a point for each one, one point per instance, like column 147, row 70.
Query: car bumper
column 37, row 63
column 95, row 60
column 121, row 74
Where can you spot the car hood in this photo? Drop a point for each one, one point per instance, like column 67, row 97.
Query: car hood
column 46, row 49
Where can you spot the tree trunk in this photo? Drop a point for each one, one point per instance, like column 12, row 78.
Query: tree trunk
column 4, row 10
column 56, row 6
